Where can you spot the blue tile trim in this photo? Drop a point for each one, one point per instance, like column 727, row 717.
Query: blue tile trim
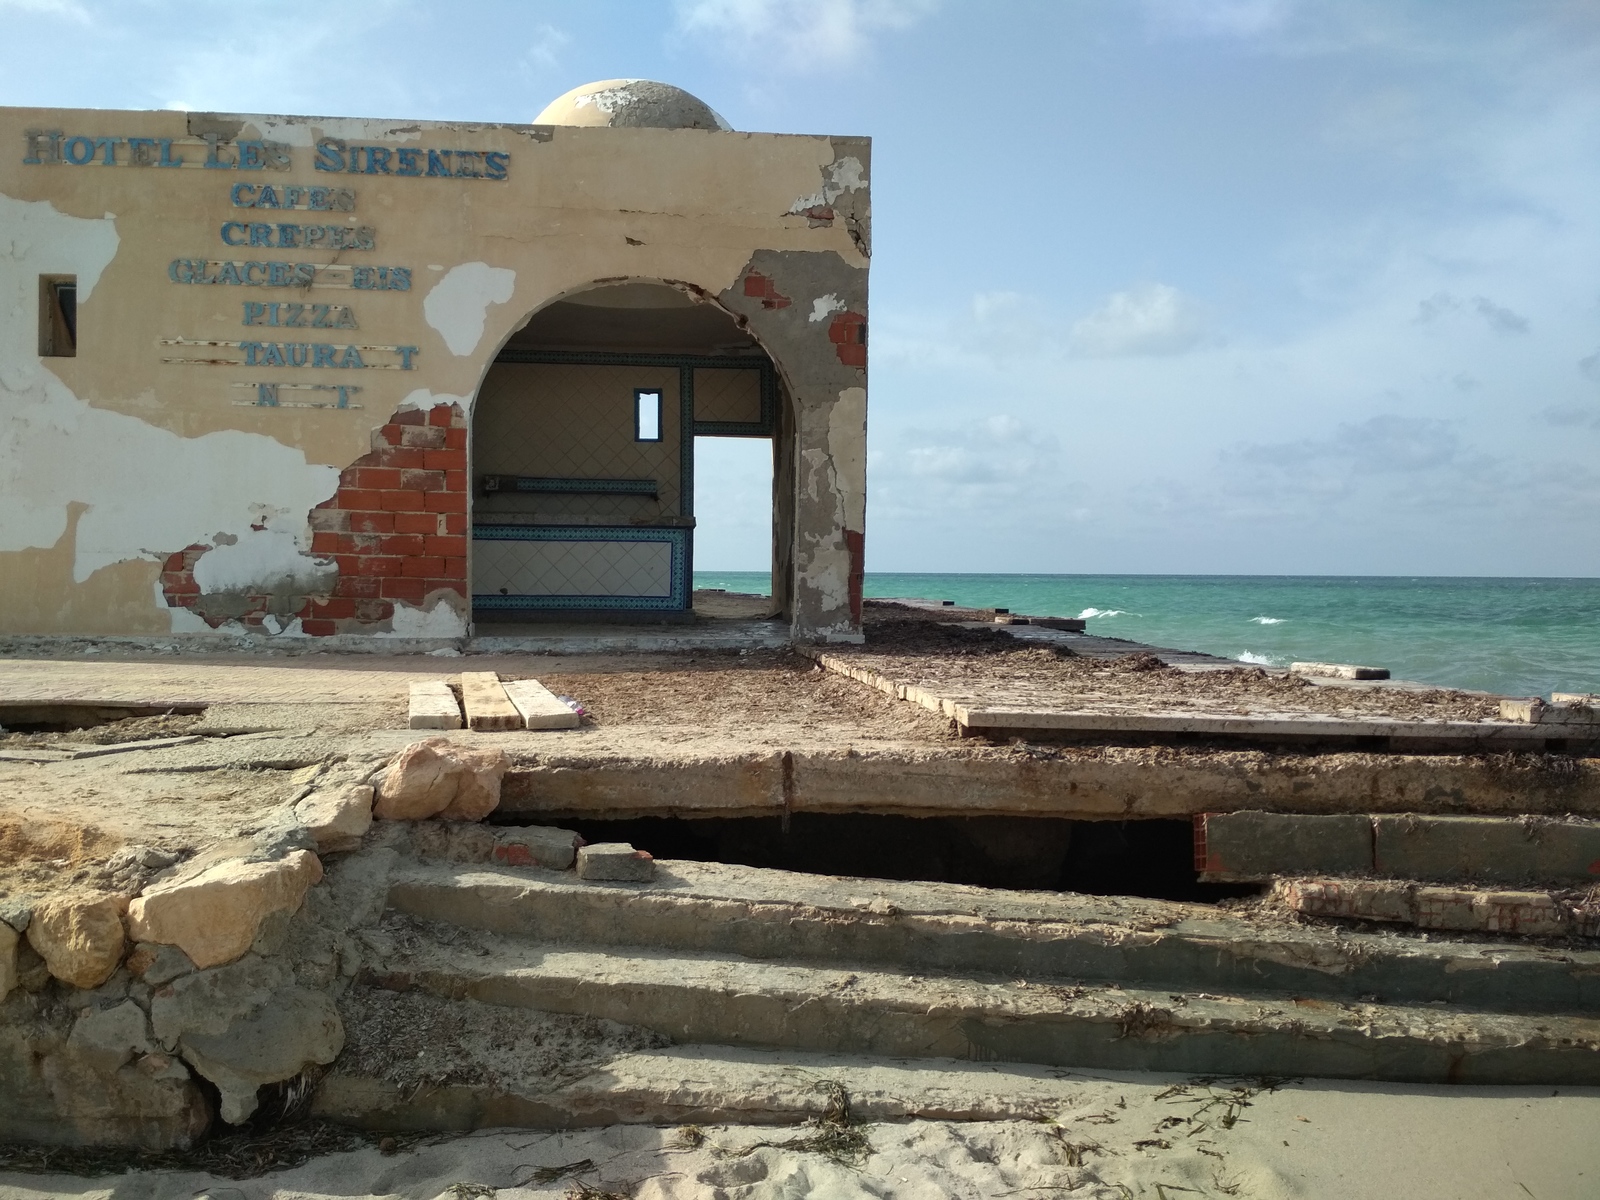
column 676, row 600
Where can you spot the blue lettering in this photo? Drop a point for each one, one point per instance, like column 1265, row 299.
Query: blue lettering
column 251, row 155
column 344, row 317
column 319, row 197
column 344, row 394
column 354, row 166
column 260, row 234
column 267, row 394
column 180, row 270
column 229, row 228
column 297, row 316
column 364, row 278
column 410, row 161
column 277, row 274
column 352, row 358
column 166, row 155
column 305, row 274
column 405, row 356
column 399, row 279
column 253, row 313
column 378, row 160
column 243, row 195
column 109, row 145
column 438, row 162
column 329, row 157
column 467, row 164
column 273, row 356
column 289, row 235
column 316, row 235
column 229, row 274
column 141, row 151
column 495, row 163
column 78, row 150
column 322, row 355
column 252, row 273
column 296, row 353
column 268, row 197
column 214, row 150
column 251, row 351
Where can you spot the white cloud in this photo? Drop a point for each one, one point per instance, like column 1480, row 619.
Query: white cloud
column 1153, row 318
column 1218, row 18
column 56, row 8
column 823, row 33
column 545, row 47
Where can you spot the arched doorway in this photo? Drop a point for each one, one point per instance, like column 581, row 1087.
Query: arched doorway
column 583, row 463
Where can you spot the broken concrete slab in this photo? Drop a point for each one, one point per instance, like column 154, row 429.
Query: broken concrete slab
column 1485, row 849
column 1257, row 845
column 538, row 705
column 214, row 915
column 79, row 936
column 433, row 705
column 1527, row 913
column 486, row 703
column 1322, row 670
column 1570, row 710
column 616, row 862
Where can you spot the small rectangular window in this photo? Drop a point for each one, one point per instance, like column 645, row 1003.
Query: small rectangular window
column 58, row 316
column 646, row 415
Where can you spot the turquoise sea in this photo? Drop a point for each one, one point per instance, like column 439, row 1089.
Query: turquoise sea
column 1518, row 637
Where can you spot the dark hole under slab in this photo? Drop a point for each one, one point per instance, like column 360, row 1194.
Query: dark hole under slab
column 1150, row 858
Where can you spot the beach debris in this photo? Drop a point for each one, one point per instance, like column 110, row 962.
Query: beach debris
column 1322, row 670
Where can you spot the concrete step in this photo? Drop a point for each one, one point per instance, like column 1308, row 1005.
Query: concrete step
column 719, row 1085
column 779, row 915
column 727, row 1000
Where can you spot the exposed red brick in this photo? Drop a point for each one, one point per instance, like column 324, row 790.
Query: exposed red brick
column 446, row 501
column 330, row 520
column 455, row 481
column 456, row 439
column 450, row 547
column 445, row 460
column 398, row 456
column 315, row 627
column 758, row 285
column 412, row 591
column 325, row 543
column 421, row 567
column 409, row 416
column 379, row 478
column 425, row 437
column 375, row 565
column 372, row 611
column 455, row 522
column 455, row 568
column 405, row 522
column 855, row 544
column 403, row 544
column 371, row 522
column 358, row 499
column 402, row 501
column 334, row 608
column 848, row 333
column 441, row 416
column 422, row 481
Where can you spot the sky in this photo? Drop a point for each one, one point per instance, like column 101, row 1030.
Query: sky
column 1158, row 286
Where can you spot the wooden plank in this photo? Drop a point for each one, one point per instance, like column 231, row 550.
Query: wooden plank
column 538, row 705
column 486, row 703
column 433, row 705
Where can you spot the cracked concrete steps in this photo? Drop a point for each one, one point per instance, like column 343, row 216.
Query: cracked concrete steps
column 711, row 1085
column 707, row 998
column 777, row 915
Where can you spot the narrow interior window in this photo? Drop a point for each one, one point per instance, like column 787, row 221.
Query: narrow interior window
column 646, row 415
column 58, row 316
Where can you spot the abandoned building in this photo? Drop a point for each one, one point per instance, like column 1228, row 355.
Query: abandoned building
column 307, row 377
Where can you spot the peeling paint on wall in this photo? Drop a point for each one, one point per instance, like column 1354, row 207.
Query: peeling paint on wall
column 824, row 307
column 458, row 305
column 143, row 490
column 838, row 177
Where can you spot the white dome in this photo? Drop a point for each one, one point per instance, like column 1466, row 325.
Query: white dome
column 635, row 103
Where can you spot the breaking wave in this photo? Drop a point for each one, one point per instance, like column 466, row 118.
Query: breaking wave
column 1258, row 660
column 1090, row 613
column 1267, row 620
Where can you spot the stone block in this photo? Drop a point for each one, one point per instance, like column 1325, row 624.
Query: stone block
column 214, row 916
column 1258, row 845
column 539, row 707
column 155, row 964
column 438, row 777
column 337, row 818
column 615, row 862
column 110, row 1038
column 1486, row 849
column 537, row 846
column 487, row 705
column 79, row 937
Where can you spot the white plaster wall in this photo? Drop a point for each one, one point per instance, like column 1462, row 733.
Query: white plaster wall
column 149, row 492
